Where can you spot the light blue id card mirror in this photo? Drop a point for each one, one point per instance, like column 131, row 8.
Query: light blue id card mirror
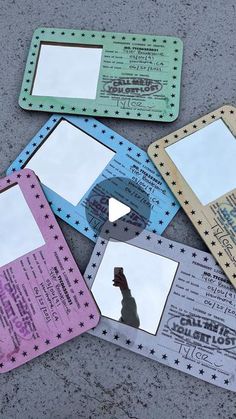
column 82, row 164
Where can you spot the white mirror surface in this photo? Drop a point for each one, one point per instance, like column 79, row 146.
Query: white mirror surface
column 206, row 159
column 138, row 296
column 67, row 71
column 69, row 161
column 19, row 232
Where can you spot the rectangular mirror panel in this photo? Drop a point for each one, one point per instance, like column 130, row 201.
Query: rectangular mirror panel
column 132, row 285
column 69, row 71
column 69, row 161
column 206, row 159
column 19, row 232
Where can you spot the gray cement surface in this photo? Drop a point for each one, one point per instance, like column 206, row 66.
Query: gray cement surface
column 89, row 378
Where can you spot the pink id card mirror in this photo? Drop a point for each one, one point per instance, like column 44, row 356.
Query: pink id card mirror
column 44, row 300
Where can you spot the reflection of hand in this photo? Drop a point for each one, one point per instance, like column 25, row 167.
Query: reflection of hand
column 120, row 281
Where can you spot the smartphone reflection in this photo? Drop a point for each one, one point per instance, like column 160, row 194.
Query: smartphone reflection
column 129, row 314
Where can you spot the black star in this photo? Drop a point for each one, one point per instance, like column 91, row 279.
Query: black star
column 76, row 281
column 226, row 381
column 201, row 371
column 98, row 253
column 1, row 365
column 61, row 248
column 182, row 250
column 148, row 237
column 116, row 337
column 176, row 361
column 171, row 246
column 91, row 316
column 86, row 304
column 36, row 347
column 140, row 347
column 24, row 353
column 81, row 324
column 70, row 330
column 65, row 258
column 189, row 366
column 59, row 209
column 205, row 259
column 152, row 351
column 58, row 336
column 71, row 269
column 128, row 342
column 81, row 292
column 213, row 377
column 47, row 341
column 104, row 332
column 164, row 356
column 194, row 255
column 13, row 359
column 159, row 242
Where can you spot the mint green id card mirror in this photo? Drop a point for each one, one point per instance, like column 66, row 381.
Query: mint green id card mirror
column 103, row 74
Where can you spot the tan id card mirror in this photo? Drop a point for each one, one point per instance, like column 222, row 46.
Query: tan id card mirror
column 198, row 163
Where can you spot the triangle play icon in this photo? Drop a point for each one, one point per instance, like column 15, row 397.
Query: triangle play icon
column 117, row 209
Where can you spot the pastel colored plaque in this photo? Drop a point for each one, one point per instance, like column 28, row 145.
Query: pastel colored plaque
column 44, row 300
column 166, row 301
column 103, row 74
column 198, row 163
column 81, row 163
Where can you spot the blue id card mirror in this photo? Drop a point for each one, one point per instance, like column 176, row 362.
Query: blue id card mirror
column 82, row 165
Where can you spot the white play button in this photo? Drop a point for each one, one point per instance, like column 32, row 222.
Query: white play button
column 117, row 209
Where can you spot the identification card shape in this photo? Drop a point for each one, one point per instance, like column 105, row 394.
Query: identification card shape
column 82, row 163
column 198, row 163
column 166, row 301
column 44, row 300
column 103, row 74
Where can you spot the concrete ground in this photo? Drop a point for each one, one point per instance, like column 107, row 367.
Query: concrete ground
column 89, row 378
